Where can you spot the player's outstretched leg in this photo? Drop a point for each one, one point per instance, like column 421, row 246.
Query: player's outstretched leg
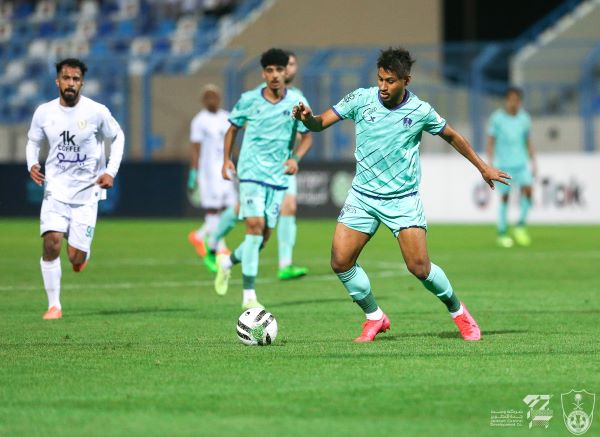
column 286, row 239
column 346, row 247
column 214, row 239
column 51, row 274
column 521, row 235
column 413, row 243
column 503, row 239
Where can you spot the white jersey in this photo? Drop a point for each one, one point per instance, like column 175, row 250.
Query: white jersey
column 208, row 129
column 76, row 157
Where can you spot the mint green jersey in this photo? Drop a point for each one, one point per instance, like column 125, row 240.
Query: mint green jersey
column 510, row 133
column 269, row 137
column 387, row 141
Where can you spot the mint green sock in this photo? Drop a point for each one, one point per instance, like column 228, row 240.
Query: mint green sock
column 286, row 239
column 358, row 287
column 250, row 254
column 502, row 218
column 437, row 282
column 525, row 204
column 227, row 221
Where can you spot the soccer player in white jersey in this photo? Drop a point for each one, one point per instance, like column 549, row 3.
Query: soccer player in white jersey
column 76, row 175
column 207, row 136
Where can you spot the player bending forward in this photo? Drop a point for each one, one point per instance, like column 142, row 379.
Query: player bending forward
column 389, row 123
column 76, row 174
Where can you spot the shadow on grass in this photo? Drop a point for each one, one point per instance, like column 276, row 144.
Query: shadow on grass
column 447, row 334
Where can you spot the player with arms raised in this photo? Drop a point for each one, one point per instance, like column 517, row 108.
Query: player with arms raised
column 263, row 166
column 390, row 120
column 76, row 176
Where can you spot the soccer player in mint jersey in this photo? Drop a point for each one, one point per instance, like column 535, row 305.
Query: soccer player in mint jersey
column 286, row 227
column 390, row 120
column 510, row 148
column 76, row 175
column 263, row 166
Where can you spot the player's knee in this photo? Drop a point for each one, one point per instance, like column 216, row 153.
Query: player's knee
column 77, row 258
column 339, row 264
column 51, row 247
column 419, row 267
column 288, row 207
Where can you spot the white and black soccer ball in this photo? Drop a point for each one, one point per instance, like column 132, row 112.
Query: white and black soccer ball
column 257, row 327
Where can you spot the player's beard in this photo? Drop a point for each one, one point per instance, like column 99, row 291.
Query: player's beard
column 69, row 98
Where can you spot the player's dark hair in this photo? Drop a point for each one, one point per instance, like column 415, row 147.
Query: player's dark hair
column 397, row 60
column 514, row 90
column 274, row 57
column 290, row 54
column 71, row 62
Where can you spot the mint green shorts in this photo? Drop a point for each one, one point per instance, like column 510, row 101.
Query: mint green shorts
column 292, row 186
column 522, row 176
column 258, row 200
column 364, row 213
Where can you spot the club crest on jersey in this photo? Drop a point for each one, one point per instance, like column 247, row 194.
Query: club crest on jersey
column 407, row 122
column 81, row 124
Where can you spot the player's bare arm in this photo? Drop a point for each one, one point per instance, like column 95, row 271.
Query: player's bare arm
column 304, row 114
column 37, row 175
column 291, row 164
column 531, row 151
column 228, row 165
column 489, row 173
column 489, row 148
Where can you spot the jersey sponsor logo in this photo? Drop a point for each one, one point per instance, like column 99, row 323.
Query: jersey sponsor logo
column 367, row 114
column 68, row 139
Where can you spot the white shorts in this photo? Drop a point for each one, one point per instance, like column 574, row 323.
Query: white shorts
column 77, row 222
column 216, row 193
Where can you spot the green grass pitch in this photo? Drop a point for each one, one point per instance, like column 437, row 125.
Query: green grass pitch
column 145, row 346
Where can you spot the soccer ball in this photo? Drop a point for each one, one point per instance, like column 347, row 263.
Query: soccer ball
column 256, row 327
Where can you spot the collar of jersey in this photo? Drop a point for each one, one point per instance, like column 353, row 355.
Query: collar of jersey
column 402, row 103
column 262, row 93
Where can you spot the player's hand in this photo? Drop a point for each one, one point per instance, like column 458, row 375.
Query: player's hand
column 37, row 175
column 491, row 174
column 301, row 112
column 291, row 166
column 228, row 169
column 105, row 181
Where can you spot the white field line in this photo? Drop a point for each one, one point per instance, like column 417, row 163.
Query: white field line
column 186, row 284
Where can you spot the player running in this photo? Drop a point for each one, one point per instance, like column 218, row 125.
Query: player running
column 76, row 176
column 390, row 120
column 510, row 148
column 286, row 227
column 264, row 162
column 207, row 133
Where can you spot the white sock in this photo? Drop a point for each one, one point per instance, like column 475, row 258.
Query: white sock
column 284, row 262
column 201, row 232
column 211, row 221
column 226, row 263
column 457, row 313
column 51, row 273
column 249, row 295
column 376, row 315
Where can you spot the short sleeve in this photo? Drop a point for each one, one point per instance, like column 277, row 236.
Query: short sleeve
column 36, row 133
column 109, row 126
column 196, row 131
column 240, row 112
column 346, row 108
column 434, row 122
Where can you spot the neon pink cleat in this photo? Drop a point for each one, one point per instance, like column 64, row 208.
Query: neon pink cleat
column 467, row 325
column 53, row 313
column 373, row 327
column 197, row 243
